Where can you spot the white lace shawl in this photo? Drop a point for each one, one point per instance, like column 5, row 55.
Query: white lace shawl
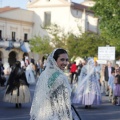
column 87, row 78
column 52, row 95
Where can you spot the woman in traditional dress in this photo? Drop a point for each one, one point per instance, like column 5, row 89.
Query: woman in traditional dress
column 88, row 89
column 52, row 95
column 17, row 87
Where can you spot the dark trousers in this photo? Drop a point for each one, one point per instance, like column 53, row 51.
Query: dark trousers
column 72, row 76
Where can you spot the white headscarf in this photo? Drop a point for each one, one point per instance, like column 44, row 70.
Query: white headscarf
column 50, row 81
column 85, row 79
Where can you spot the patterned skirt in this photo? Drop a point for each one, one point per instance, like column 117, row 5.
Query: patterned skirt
column 23, row 97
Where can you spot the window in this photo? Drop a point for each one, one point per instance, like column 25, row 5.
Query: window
column 47, row 19
column 13, row 36
column 0, row 34
column 25, row 36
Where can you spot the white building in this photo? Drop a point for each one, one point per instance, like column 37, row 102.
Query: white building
column 17, row 24
column 88, row 3
column 66, row 14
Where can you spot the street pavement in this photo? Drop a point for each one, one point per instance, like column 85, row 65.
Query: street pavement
column 105, row 111
column 8, row 110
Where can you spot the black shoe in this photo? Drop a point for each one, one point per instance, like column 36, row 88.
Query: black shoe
column 20, row 105
column 16, row 105
column 86, row 106
column 89, row 106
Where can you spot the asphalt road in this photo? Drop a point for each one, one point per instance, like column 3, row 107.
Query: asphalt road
column 105, row 111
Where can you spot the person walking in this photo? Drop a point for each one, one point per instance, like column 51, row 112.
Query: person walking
column 17, row 90
column 79, row 67
column 107, row 74
column 88, row 90
column 52, row 94
column 73, row 70
column 111, row 85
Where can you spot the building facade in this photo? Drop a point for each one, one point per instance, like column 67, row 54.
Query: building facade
column 18, row 26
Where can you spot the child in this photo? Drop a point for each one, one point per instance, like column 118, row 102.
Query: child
column 117, row 90
column 111, row 85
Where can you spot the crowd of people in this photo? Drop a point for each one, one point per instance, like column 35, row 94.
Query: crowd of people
column 89, row 79
column 55, row 92
column 17, row 78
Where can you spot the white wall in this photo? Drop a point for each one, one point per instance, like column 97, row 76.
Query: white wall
column 61, row 14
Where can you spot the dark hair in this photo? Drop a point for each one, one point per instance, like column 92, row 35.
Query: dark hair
column 113, row 71
column 58, row 52
column 17, row 64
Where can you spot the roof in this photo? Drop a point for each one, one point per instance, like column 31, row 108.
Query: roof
column 81, row 7
column 7, row 8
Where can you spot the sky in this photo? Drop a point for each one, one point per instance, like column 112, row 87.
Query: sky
column 21, row 3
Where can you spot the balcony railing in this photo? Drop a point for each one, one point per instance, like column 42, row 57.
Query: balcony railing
column 11, row 44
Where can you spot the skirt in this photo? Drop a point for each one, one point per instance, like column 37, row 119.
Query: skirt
column 117, row 90
column 87, row 99
column 24, row 95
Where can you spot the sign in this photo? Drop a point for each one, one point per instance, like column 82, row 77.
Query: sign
column 106, row 53
column 102, row 61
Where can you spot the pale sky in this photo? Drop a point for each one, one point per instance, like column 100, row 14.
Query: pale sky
column 22, row 3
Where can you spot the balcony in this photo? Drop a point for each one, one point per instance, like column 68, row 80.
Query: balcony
column 11, row 44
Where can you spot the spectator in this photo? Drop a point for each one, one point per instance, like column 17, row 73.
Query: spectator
column 107, row 74
column 73, row 70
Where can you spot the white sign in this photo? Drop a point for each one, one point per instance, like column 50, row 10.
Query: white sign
column 102, row 61
column 106, row 53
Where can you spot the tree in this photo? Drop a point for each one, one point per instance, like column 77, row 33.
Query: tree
column 85, row 45
column 58, row 36
column 108, row 12
column 40, row 45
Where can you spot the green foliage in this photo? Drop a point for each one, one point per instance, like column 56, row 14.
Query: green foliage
column 58, row 36
column 40, row 45
column 108, row 12
column 85, row 45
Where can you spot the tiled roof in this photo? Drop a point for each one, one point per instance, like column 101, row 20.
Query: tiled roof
column 81, row 7
column 7, row 8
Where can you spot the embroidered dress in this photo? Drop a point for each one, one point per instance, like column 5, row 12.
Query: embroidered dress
column 88, row 89
column 52, row 94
